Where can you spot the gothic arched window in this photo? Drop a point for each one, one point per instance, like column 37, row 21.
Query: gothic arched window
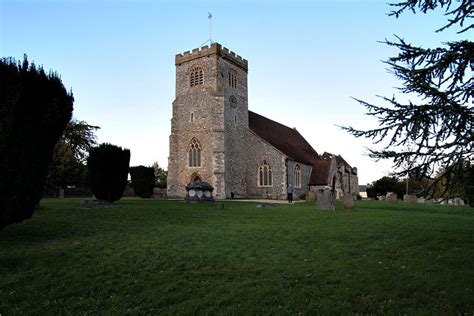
column 194, row 153
column 265, row 175
column 196, row 76
column 297, row 176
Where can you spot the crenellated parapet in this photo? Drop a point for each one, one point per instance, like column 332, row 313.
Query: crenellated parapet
column 214, row 49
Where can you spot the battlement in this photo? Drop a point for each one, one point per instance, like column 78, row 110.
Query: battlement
column 214, row 49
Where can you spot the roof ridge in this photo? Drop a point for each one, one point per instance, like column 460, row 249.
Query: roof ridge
column 272, row 120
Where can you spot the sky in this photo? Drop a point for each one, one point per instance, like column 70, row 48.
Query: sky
column 308, row 60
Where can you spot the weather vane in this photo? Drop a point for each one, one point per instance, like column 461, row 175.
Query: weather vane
column 209, row 16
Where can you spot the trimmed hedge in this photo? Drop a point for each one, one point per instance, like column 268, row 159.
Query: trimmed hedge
column 143, row 180
column 107, row 167
column 34, row 111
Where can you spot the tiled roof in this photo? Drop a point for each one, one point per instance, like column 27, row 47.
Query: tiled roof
column 285, row 139
column 290, row 142
column 339, row 159
column 320, row 173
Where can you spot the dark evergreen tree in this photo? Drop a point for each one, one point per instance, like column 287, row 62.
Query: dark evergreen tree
column 143, row 181
column 437, row 133
column 34, row 110
column 107, row 167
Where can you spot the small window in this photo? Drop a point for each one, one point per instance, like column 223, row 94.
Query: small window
column 232, row 78
column 191, row 118
column 194, row 153
column 265, row 176
column 196, row 76
column 297, row 176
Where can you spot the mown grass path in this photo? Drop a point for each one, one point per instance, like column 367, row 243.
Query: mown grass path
column 169, row 257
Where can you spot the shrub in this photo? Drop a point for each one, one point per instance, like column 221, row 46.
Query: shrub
column 143, row 180
column 302, row 196
column 34, row 110
column 107, row 167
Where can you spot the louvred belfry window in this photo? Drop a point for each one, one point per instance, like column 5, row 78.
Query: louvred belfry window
column 196, row 76
column 232, row 76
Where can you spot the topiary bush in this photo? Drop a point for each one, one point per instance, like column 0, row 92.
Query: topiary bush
column 107, row 167
column 34, row 111
column 143, row 180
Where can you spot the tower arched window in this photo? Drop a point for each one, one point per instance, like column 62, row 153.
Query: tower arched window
column 297, row 176
column 232, row 76
column 194, row 153
column 196, row 76
column 265, row 175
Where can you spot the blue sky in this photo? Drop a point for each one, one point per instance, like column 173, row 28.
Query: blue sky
column 306, row 60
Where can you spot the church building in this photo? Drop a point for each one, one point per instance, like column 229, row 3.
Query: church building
column 215, row 138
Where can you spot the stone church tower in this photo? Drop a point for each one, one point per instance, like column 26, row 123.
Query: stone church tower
column 210, row 121
column 216, row 139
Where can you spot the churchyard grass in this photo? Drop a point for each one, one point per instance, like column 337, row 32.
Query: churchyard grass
column 168, row 257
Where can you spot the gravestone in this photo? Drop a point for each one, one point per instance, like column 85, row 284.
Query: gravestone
column 391, row 197
column 325, row 200
column 348, row 201
column 311, row 196
column 421, row 200
column 410, row 198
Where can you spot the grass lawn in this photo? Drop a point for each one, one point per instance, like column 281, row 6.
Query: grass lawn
column 169, row 257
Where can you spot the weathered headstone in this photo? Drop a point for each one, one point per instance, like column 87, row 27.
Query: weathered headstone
column 348, row 202
column 325, row 200
column 61, row 193
column 391, row 197
column 421, row 200
column 410, row 198
column 311, row 196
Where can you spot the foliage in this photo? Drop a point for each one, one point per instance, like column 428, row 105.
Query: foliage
column 469, row 185
column 384, row 185
column 396, row 185
column 461, row 183
column 65, row 170
column 143, row 180
column 34, row 110
column 161, row 176
column 68, row 167
column 107, row 167
column 437, row 132
column 80, row 137
column 167, row 257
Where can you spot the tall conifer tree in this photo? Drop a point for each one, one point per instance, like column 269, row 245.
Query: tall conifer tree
column 435, row 133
